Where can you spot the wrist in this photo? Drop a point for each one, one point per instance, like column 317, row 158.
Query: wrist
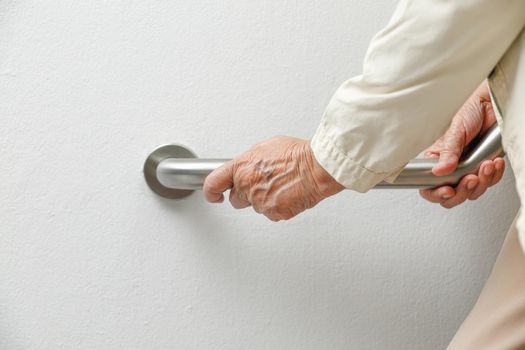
column 326, row 184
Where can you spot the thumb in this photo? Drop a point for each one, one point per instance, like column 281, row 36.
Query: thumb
column 452, row 146
column 217, row 182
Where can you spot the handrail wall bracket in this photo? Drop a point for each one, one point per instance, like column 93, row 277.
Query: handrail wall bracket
column 151, row 165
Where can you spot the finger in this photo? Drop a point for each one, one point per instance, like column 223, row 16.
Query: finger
column 257, row 208
column 237, row 200
column 447, row 163
column 217, row 182
column 439, row 194
column 467, row 184
column 499, row 164
column 452, row 145
column 485, row 173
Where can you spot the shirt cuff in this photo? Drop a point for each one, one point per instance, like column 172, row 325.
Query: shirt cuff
column 497, row 91
column 344, row 169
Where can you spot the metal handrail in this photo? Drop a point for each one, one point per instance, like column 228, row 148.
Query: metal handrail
column 174, row 171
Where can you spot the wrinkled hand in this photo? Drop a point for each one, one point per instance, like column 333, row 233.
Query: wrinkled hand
column 279, row 178
column 476, row 116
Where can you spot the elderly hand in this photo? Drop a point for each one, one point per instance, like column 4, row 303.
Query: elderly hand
column 476, row 115
column 279, row 177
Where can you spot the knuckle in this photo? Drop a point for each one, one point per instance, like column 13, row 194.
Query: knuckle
column 236, row 199
column 447, row 205
column 425, row 194
column 235, row 203
column 207, row 186
column 287, row 215
column 280, row 212
column 272, row 217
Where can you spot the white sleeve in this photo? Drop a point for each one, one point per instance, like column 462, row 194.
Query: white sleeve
column 417, row 73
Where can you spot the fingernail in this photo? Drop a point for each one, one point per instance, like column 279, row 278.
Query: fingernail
column 447, row 196
column 488, row 171
column 471, row 185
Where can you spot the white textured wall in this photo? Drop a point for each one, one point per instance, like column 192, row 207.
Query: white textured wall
column 91, row 259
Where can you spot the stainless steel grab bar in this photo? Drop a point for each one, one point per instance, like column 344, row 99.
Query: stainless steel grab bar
column 174, row 171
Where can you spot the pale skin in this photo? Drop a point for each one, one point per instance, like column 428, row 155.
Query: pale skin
column 280, row 177
column 476, row 115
